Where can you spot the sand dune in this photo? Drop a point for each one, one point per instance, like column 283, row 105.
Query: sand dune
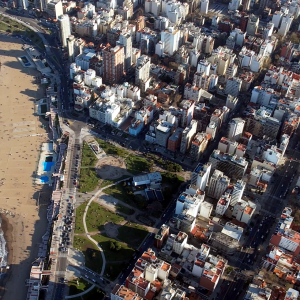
column 19, row 154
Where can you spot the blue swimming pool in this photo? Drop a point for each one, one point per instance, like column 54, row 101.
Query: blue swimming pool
column 47, row 165
column 44, row 179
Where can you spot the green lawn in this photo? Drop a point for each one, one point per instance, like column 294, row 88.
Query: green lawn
column 97, row 216
column 106, row 182
column 76, row 289
column 16, row 28
column 88, row 158
column 124, row 193
column 79, row 218
column 124, row 209
column 171, row 178
column 114, row 269
column 112, row 149
column 93, row 258
column 88, row 180
column 112, row 255
column 132, row 234
column 136, row 165
column 120, row 192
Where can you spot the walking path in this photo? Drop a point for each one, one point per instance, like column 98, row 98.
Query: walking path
column 85, row 227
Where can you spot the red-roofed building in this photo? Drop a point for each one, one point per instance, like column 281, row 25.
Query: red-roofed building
column 289, row 240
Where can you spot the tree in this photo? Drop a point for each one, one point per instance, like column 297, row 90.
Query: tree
column 112, row 246
column 118, row 246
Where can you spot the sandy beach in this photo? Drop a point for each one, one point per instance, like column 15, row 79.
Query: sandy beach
column 19, row 154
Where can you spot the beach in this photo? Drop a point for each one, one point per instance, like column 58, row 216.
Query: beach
column 24, row 226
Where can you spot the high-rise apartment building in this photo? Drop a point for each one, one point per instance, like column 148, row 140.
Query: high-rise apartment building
column 142, row 69
column 285, row 25
column 65, row 29
column 199, row 145
column 200, row 176
column 204, row 6
column 235, row 129
column 23, row 4
column 70, row 46
column 54, row 8
column 125, row 40
column 233, row 86
column 187, row 108
column 187, row 136
column 217, row 185
column 113, row 59
column 252, row 24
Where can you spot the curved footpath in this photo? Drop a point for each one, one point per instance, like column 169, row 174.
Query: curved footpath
column 84, row 222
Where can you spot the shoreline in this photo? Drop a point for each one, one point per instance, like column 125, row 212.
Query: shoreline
column 20, row 129
column 7, row 229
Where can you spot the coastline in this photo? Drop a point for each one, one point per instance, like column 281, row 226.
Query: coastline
column 22, row 136
column 7, row 229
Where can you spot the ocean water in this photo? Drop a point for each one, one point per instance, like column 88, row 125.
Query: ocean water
column 3, row 251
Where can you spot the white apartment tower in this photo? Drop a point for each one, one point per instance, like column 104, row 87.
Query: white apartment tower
column 187, row 136
column 200, row 176
column 142, row 69
column 170, row 39
column 252, row 24
column 235, row 129
column 276, row 19
column 125, row 40
column 70, row 45
column 203, row 67
column 204, row 6
column 54, row 8
column 234, row 4
column 285, row 25
column 217, row 185
column 65, row 29
column 233, row 86
column 23, row 4
column 237, row 193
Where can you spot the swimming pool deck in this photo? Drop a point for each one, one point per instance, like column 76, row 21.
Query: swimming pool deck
column 45, row 168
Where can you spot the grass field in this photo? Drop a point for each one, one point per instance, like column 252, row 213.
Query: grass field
column 125, row 210
column 78, row 288
column 136, row 165
column 112, row 150
column 132, row 234
column 79, row 218
column 105, row 183
column 16, row 28
column 88, row 180
column 125, row 253
column 88, row 176
column 119, row 192
column 93, row 258
column 97, row 216
column 88, row 158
